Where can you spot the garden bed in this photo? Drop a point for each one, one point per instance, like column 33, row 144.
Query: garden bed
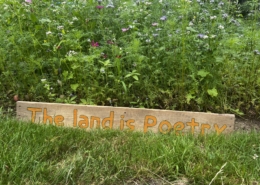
column 178, row 55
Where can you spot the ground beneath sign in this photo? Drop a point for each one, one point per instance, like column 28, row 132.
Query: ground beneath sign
column 246, row 124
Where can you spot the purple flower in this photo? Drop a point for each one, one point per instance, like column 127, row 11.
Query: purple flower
column 163, row 18
column 94, row 44
column 224, row 15
column 28, row 1
column 99, row 7
column 202, row 36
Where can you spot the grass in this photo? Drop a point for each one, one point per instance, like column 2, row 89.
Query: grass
column 203, row 57
column 38, row 154
column 177, row 55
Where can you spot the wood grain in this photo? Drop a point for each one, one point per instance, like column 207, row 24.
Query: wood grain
column 137, row 119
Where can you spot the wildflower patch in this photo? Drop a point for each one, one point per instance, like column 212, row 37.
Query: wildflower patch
column 121, row 118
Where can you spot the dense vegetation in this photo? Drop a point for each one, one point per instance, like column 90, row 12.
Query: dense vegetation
column 175, row 54
column 178, row 55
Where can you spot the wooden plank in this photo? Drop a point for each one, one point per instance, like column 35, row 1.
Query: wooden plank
column 144, row 120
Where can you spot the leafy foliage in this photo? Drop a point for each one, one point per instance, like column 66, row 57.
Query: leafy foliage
column 179, row 55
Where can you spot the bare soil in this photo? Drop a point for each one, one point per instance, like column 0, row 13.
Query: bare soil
column 247, row 125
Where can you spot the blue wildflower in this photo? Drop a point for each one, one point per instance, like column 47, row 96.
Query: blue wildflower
column 163, row 18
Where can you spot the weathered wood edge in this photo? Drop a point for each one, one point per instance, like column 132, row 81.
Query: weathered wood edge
column 229, row 117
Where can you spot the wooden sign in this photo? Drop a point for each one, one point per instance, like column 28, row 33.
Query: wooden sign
column 135, row 119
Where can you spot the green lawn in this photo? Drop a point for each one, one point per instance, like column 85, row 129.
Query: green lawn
column 34, row 154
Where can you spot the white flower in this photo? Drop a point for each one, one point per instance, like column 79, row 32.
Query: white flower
column 102, row 70
column 71, row 52
column 191, row 23
column 110, row 5
column 43, row 80
column 212, row 36
column 26, row 4
column 74, row 18
column 213, row 17
column 5, row 6
column 59, row 82
column 255, row 156
column 48, row 32
column 220, row 27
column 60, row 27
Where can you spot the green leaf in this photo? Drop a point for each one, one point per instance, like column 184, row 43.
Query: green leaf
column 189, row 97
column 128, row 75
column 237, row 111
column 75, row 66
column 74, row 86
column 258, row 81
column 65, row 74
column 107, row 63
column 124, row 86
column 212, row 92
column 161, row 48
column 191, row 29
column 46, row 44
column 70, row 76
column 135, row 77
column 202, row 73
column 33, row 18
column 73, row 98
column 83, row 101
